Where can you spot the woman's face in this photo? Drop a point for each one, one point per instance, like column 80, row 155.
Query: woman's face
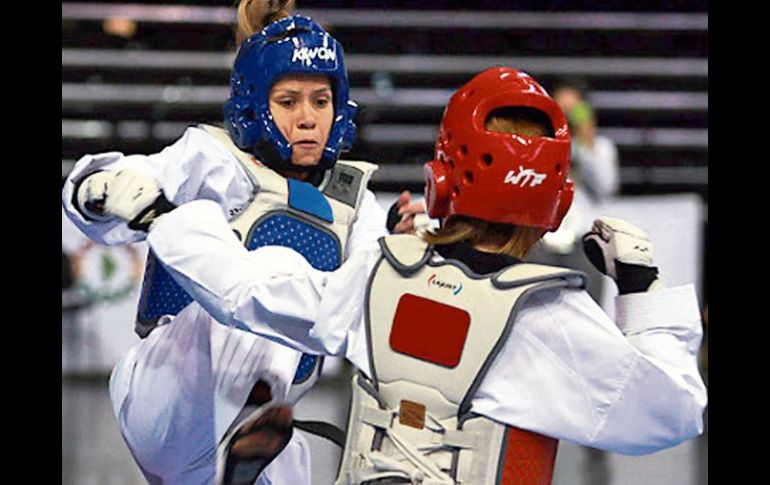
column 302, row 108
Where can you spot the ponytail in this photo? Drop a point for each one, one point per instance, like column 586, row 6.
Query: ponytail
column 254, row 15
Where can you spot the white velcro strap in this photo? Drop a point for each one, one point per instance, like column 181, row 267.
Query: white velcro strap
column 457, row 439
column 379, row 418
column 431, row 472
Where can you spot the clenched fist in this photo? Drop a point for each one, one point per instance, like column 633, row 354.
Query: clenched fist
column 623, row 252
column 124, row 194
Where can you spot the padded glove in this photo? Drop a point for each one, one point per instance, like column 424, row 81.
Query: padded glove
column 623, row 252
column 124, row 194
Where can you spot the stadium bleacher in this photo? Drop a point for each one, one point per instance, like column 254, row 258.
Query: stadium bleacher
column 648, row 70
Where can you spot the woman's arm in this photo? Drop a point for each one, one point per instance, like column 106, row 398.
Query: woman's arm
column 568, row 371
column 630, row 386
column 271, row 291
column 195, row 167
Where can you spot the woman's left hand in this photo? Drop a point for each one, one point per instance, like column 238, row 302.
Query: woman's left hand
column 403, row 213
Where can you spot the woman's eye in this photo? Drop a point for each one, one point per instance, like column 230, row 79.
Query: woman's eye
column 321, row 102
column 286, row 103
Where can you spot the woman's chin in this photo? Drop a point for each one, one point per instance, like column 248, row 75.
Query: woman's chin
column 306, row 159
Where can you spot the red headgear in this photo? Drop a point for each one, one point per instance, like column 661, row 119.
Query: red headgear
column 494, row 176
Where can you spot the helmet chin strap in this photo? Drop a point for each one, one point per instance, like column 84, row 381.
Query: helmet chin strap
column 269, row 155
column 313, row 174
column 309, row 173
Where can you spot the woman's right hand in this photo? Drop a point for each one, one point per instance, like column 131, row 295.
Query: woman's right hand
column 124, row 194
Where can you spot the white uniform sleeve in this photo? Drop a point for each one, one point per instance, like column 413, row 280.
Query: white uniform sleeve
column 370, row 224
column 194, row 167
column 568, row 371
column 272, row 291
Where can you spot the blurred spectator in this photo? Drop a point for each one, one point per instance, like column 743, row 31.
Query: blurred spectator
column 594, row 157
column 595, row 171
column 120, row 27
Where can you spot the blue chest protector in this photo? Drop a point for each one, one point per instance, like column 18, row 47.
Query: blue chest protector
column 291, row 228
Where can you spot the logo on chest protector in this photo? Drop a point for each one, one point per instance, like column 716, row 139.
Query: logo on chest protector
column 434, row 282
column 307, row 55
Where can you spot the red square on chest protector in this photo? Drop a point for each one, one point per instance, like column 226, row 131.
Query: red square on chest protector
column 429, row 330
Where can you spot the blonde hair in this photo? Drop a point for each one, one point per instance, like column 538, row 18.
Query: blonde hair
column 518, row 240
column 254, row 15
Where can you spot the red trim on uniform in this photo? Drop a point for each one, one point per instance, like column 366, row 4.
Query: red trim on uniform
column 429, row 330
column 529, row 458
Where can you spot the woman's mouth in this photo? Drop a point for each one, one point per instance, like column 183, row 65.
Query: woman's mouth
column 306, row 144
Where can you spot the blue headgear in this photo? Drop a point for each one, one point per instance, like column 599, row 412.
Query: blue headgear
column 293, row 44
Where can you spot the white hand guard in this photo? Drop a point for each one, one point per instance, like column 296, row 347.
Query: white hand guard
column 123, row 194
column 623, row 252
column 621, row 241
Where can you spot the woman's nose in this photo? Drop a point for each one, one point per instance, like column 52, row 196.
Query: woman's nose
column 306, row 116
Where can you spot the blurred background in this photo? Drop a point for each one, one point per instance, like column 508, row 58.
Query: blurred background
column 135, row 75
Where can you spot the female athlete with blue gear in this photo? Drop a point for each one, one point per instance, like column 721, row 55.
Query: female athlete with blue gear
column 189, row 396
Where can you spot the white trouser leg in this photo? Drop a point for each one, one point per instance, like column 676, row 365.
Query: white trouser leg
column 177, row 392
column 291, row 466
column 162, row 394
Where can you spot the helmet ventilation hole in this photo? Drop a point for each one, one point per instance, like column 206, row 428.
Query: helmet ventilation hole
column 451, row 163
column 487, row 159
column 468, row 178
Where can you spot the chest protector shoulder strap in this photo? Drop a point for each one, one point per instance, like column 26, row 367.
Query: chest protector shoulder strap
column 434, row 329
column 313, row 221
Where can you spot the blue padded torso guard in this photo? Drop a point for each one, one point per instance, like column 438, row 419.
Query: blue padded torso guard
column 320, row 249
column 161, row 295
